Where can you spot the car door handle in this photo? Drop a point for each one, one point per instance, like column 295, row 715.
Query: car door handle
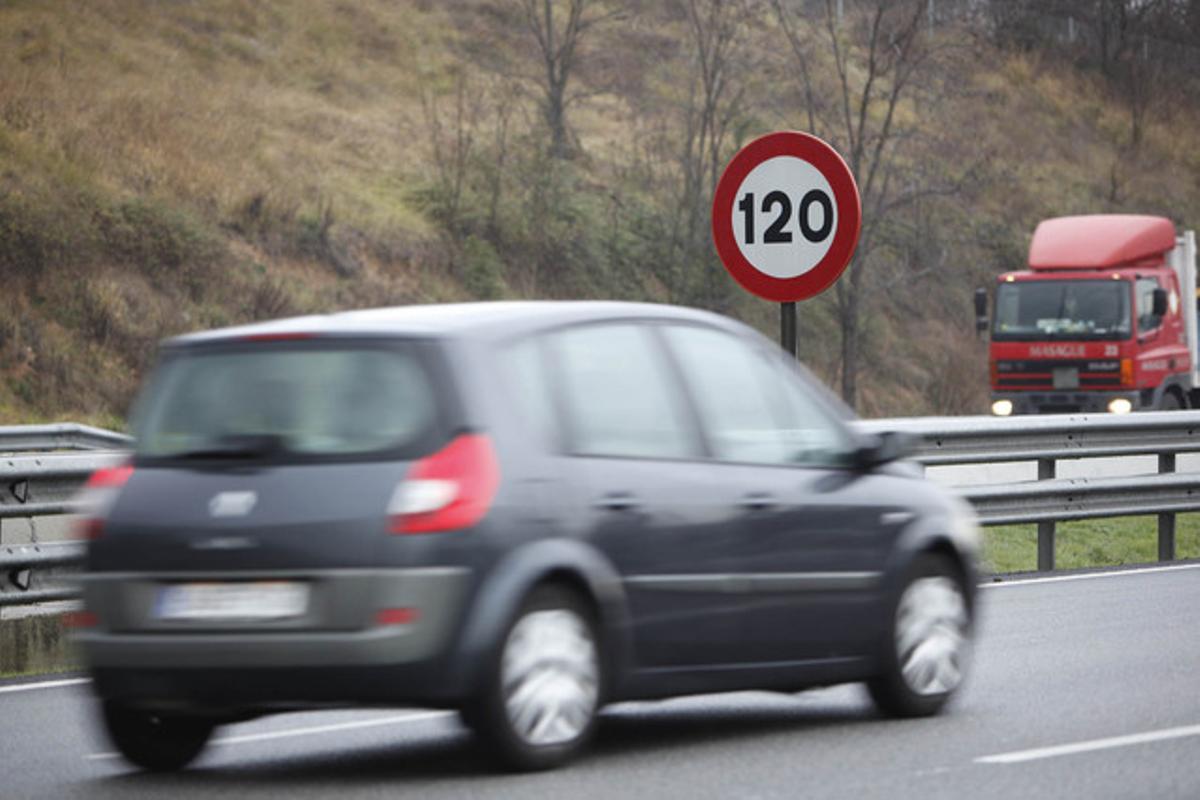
column 617, row 501
column 758, row 501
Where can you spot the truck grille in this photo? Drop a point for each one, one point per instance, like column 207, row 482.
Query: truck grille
column 1092, row 374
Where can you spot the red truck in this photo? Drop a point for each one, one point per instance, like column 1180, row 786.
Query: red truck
column 1104, row 319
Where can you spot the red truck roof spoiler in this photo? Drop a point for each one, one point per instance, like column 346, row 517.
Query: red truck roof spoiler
column 1099, row 241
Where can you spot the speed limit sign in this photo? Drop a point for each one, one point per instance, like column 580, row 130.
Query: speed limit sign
column 786, row 216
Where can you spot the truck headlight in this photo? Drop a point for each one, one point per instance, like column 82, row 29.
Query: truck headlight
column 1002, row 408
column 1120, row 405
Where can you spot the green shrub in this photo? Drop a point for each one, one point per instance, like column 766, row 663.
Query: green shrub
column 158, row 240
column 482, row 269
column 36, row 236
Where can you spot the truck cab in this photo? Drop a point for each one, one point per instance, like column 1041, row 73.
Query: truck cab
column 1098, row 322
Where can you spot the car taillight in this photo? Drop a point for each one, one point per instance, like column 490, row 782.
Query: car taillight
column 1127, row 372
column 80, row 620
column 97, row 497
column 396, row 616
column 449, row 490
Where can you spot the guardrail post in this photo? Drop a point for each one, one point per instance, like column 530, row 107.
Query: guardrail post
column 1045, row 561
column 1166, row 521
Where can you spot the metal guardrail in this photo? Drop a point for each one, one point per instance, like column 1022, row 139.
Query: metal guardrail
column 40, row 485
column 32, row 572
column 950, row 441
column 978, row 440
column 44, row 485
column 59, row 436
column 37, row 485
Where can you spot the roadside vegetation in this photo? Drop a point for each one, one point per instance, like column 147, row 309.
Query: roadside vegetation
column 35, row 645
column 168, row 167
column 1088, row 543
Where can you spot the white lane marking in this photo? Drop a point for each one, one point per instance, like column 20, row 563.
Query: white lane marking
column 1120, row 573
column 932, row 771
column 309, row 731
column 29, row 687
column 1087, row 747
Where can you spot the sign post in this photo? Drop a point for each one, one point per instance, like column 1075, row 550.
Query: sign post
column 785, row 219
column 787, row 328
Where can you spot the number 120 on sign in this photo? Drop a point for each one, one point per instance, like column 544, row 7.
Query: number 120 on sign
column 780, row 204
column 784, row 217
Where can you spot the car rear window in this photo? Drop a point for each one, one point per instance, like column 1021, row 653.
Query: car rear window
column 303, row 400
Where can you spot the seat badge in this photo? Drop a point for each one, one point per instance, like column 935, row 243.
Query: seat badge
column 232, row 504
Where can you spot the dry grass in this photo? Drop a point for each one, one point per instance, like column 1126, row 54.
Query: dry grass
column 212, row 104
column 168, row 166
column 171, row 166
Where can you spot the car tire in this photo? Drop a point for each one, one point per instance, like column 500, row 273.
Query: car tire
column 541, row 694
column 155, row 742
column 927, row 645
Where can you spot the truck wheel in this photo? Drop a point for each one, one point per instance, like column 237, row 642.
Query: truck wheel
column 155, row 742
column 1170, row 401
column 928, row 643
column 538, row 707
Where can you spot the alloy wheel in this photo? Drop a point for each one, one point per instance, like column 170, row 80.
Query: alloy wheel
column 550, row 677
column 931, row 635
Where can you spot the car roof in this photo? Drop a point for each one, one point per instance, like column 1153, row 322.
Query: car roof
column 458, row 320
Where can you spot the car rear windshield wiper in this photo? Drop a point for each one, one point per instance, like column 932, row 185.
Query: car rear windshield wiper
column 241, row 445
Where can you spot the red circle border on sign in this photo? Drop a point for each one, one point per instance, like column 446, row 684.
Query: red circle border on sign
column 845, row 195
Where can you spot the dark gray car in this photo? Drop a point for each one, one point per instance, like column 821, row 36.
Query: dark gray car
column 519, row 510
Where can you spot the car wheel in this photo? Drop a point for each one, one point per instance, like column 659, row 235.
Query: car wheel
column 928, row 643
column 538, row 706
column 156, row 742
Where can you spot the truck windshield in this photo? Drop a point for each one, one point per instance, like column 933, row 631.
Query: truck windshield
column 1042, row 310
column 284, row 401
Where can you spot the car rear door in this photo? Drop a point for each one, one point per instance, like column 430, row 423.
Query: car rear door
column 647, row 497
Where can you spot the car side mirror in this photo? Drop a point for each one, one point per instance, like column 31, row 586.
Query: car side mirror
column 1159, row 306
column 981, row 316
column 884, row 448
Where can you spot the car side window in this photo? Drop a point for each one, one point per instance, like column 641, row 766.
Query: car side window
column 815, row 434
column 739, row 400
column 619, row 394
column 525, row 376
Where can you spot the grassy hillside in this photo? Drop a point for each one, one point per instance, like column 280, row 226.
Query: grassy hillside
column 172, row 166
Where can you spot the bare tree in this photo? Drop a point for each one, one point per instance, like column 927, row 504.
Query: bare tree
column 715, row 103
column 1120, row 38
column 503, row 102
column 453, row 144
column 558, row 28
column 877, row 51
column 1121, row 32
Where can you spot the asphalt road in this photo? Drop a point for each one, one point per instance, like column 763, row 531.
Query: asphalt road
column 1083, row 687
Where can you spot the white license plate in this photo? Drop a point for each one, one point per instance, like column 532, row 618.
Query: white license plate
column 229, row 602
column 1066, row 378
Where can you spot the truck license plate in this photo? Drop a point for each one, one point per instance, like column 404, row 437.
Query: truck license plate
column 1066, row 378
column 227, row 602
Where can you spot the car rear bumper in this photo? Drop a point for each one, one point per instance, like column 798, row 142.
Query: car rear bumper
column 340, row 629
